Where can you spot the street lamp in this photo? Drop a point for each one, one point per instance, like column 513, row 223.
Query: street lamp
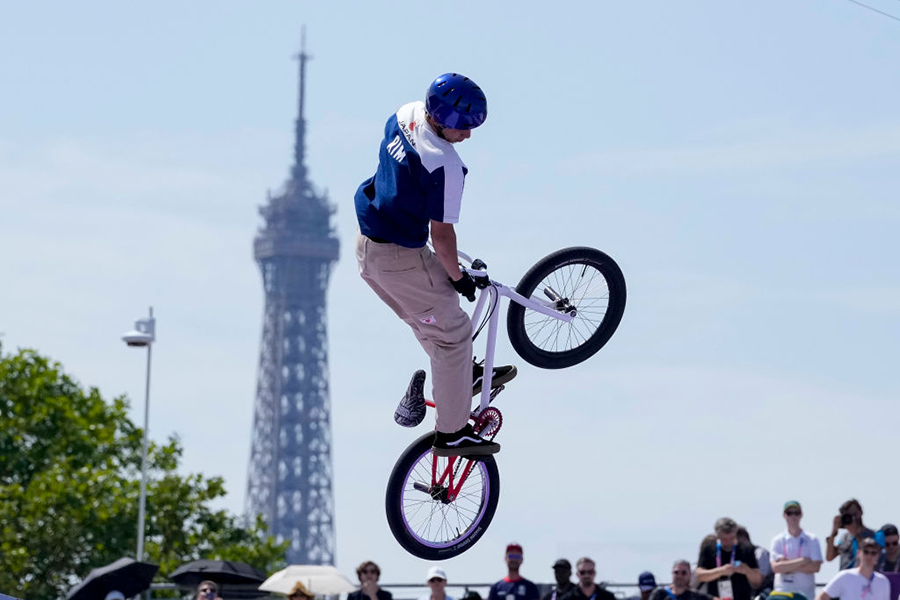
column 143, row 334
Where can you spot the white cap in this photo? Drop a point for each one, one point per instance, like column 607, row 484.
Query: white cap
column 115, row 595
column 436, row 572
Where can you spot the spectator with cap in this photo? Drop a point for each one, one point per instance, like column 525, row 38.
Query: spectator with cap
column 849, row 518
column 646, row 585
column 795, row 555
column 680, row 588
column 437, row 581
column 514, row 586
column 862, row 582
column 729, row 568
column 762, row 561
column 369, row 573
column 586, row 589
column 890, row 558
column 562, row 572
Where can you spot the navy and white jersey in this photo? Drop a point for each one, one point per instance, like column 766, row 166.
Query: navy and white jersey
column 419, row 179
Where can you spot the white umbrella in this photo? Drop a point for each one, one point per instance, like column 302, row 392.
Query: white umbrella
column 321, row 580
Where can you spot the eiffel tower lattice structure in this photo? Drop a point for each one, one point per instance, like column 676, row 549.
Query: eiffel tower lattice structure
column 290, row 474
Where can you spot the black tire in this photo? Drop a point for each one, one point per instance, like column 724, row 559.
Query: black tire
column 586, row 278
column 452, row 528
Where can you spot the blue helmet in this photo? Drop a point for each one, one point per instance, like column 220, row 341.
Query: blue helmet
column 456, row 102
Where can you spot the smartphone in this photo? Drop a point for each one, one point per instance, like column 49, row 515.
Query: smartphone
column 737, row 563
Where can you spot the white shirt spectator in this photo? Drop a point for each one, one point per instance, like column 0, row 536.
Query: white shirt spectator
column 805, row 545
column 850, row 585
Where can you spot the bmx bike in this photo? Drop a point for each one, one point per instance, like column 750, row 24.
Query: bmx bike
column 565, row 309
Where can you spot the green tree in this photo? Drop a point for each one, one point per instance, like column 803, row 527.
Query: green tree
column 70, row 482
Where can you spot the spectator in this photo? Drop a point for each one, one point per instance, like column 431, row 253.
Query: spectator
column 762, row 560
column 207, row 590
column 863, row 582
column 586, row 588
column 300, row 592
column 849, row 518
column 680, row 588
column 646, row 584
column 796, row 556
column 437, row 581
column 890, row 558
column 368, row 574
column 562, row 571
column 514, row 586
column 732, row 579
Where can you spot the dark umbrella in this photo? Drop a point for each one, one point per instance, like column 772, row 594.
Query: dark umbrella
column 235, row 579
column 125, row 575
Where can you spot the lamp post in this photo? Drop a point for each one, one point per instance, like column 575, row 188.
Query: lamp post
column 143, row 334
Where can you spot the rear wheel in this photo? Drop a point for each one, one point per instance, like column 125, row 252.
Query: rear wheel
column 584, row 281
column 434, row 516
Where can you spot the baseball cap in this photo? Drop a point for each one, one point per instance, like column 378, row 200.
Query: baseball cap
column 792, row 504
column 115, row 595
column 562, row 564
column 646, row 581
column 436, row 572
column 514, row 547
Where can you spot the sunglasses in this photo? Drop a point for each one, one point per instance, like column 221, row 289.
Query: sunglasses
column 871, row 552
column 891, row 544
column 435, row 580
column 682, row 572
column 370, row 571
column 792, row 513
column 586, row 571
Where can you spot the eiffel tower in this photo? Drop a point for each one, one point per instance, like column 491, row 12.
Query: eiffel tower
column 289, row 480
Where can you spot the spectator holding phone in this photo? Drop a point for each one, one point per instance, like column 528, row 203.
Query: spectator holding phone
column 863, row 582
column 728, row 567
column 849, row 518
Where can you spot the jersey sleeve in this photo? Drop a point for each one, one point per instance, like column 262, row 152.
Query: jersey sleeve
column 444, row 193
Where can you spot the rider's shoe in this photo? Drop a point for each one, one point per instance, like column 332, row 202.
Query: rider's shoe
column 464, row 442
column 411, row 410
column 502, row 374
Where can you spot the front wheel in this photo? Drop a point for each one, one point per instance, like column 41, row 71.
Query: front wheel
column 439, row 507
column 584, row 281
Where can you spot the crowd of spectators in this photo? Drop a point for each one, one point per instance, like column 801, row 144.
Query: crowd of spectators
column 729, row 566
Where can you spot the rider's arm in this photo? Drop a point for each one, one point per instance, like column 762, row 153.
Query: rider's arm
column 443, row 237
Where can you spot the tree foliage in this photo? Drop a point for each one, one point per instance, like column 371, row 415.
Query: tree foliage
column 70, row 483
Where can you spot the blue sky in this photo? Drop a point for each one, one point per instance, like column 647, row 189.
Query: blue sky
column 739, row 160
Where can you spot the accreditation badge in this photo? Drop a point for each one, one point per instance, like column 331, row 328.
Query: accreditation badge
column 725, row 591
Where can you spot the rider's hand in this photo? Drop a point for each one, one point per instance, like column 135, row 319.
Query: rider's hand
column 465, row 285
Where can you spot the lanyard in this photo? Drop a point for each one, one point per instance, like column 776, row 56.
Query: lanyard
column 719, row 553
column 867, row 589
column 670, row 593
column 854, row 551
column 799, row 546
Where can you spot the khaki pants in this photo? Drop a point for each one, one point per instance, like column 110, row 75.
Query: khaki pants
column 415, row 285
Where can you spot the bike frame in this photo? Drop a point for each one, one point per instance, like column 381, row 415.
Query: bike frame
column 490, row 290
column 494, row 290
